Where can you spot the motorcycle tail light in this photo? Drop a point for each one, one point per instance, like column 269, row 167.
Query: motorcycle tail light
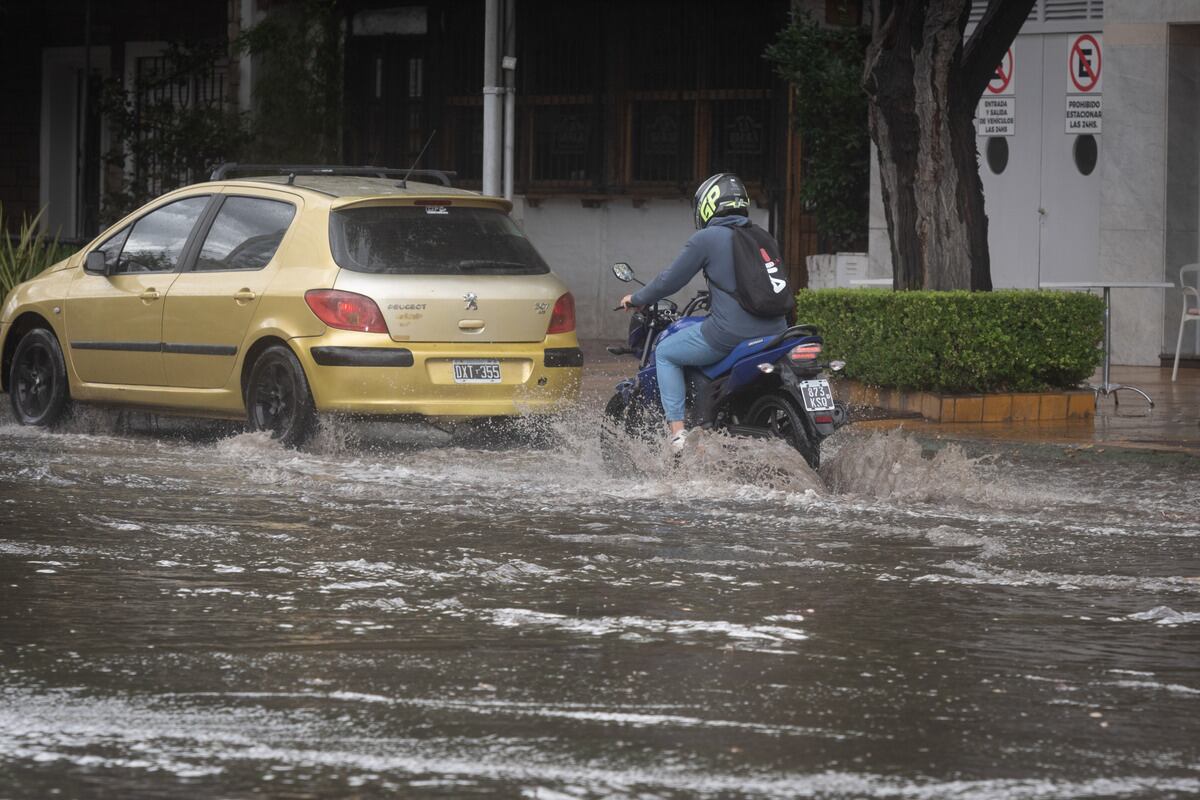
column 804, row 353
column 346, row 311
column 823, row 418
column 562, row 318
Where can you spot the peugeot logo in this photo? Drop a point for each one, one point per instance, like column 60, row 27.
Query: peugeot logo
column 472, row 301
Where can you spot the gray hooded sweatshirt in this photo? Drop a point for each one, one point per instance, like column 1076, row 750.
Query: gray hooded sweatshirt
column 711, row 249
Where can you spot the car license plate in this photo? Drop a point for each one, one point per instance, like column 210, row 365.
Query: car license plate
column 477, row 370
column 817, row 395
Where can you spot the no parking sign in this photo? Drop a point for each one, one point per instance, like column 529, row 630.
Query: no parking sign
column 1002, row 79
column 1085, row 64
column 996, row 113
column 1085, row 82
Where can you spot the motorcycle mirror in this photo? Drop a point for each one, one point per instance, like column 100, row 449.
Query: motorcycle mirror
column 837, row 366
column 622, row 271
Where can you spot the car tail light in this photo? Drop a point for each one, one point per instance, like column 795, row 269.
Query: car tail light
column 346, row 311
column 562, row 318
column 805, row 353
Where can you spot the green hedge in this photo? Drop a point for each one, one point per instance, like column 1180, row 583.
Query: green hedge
column 959, row 342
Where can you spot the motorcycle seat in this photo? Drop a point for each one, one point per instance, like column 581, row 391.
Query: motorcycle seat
column 752, row 346
column 746, row 348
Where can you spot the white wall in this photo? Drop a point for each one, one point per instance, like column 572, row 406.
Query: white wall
column 580, row 244
column 1134, row 221
column 1183, row 177
column 1133, row 176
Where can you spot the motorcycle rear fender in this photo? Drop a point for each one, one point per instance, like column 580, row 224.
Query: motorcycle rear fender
column 823, row 429
column 746, row 371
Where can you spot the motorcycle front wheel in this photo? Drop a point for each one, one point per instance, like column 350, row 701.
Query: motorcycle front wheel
column 622, row 426
column 778, row 414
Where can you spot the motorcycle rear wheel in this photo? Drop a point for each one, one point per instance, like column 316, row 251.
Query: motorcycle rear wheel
column 778, row 414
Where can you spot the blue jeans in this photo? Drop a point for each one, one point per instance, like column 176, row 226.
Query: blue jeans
column 686, row 348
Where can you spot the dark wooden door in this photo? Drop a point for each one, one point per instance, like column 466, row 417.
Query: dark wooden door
column 387, row 118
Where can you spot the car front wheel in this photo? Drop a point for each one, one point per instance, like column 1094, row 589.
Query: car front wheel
column 278, row 399
column 38, row 380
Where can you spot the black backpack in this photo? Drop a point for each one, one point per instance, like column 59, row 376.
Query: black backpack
column 762, row 287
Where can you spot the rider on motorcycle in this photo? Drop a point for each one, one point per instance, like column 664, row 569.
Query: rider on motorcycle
column 720, row 206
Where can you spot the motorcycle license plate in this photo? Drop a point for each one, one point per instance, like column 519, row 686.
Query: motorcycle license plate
column 477, row 370
column 817, row 395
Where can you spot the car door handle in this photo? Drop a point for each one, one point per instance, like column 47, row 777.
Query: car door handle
column 150, row 294
column 244, row 296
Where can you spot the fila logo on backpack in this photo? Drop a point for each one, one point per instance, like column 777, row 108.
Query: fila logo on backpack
column 762, row 287
column 777, row 284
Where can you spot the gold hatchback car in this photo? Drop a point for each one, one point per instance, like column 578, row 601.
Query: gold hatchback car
column 277, row 298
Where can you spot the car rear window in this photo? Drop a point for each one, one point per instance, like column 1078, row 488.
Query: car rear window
column 431, row 240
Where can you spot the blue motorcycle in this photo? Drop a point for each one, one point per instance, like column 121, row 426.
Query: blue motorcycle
column 770, row 387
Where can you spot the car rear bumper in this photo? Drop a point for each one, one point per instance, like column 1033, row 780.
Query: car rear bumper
column 362, row 373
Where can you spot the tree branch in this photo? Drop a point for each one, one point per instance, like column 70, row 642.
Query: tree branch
column 989, row 42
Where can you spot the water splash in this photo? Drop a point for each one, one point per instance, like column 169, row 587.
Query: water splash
column 568, row 452
column 893, row 465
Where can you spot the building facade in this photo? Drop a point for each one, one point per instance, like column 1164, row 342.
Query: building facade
column 620, row 109
column 1089, row 142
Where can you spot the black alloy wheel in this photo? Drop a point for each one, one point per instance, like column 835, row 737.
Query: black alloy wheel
column 38, row 380
column 278, row 399
column 779, row 415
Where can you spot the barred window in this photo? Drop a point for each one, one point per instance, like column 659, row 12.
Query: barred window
column 663, row 140
column 741, row 136
column 612, row 96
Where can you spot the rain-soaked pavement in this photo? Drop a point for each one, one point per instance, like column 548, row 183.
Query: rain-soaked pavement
column 216, row 616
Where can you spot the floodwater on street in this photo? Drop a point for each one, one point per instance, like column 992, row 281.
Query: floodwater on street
column 396, row 613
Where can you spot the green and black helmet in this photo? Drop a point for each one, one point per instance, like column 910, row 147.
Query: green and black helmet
column 722, row 194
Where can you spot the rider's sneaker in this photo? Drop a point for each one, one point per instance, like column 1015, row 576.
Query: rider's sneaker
column 678, row 441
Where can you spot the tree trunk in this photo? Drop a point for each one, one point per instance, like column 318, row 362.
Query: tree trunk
column 923, row 85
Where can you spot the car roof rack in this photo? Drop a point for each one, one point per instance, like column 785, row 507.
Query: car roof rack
column 224, row 171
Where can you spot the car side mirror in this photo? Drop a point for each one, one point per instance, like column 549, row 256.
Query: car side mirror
column 622, row 271
column 95, row 263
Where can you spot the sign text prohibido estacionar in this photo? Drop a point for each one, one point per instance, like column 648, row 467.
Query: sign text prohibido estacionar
column 1085, row 83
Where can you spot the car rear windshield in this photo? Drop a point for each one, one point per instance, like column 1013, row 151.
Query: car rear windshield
column 431, row 240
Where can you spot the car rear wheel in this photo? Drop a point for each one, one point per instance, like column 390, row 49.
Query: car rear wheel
column 778, row 414
column 38, row 380
column 278, row 399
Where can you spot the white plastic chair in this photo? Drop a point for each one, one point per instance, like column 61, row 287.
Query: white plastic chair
column 1191, row 306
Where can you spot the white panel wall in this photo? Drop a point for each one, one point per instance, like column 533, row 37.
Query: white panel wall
column 1012, row 198
column 1135, row 221
column 1133, row 180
